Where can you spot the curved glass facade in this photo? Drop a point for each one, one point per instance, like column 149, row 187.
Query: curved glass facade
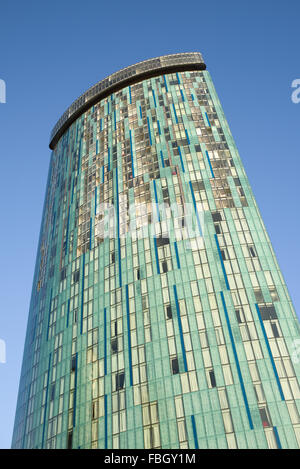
column 159, row 317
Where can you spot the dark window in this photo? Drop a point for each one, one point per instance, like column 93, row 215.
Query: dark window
column 239, row 316
column 218, row 229
column 268, row 312
column 114, row 345
column 76, row 276
column 162, row 241
column 275, row 329
column 52, row 392
column 223, row 254
column 169, row 312
column 63, row 273
column 252, row 251
column 138, row 275
column 212, row 378
column 264, row 417
column 113, row 258
column 70, row 440
column 164, row 266
column 216, row 216
column 120, row 378
column 73, row 363
column 175, row 366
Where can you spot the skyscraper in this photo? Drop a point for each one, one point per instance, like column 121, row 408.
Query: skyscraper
column 159, row 317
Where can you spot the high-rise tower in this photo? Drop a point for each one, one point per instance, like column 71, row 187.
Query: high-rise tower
column 159, row 317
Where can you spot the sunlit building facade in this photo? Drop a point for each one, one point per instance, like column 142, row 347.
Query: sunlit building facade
column 161, row 331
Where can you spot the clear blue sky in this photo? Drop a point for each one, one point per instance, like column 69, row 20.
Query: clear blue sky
column 52, row 51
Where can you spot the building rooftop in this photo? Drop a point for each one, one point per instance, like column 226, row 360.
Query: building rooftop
column 118, row 80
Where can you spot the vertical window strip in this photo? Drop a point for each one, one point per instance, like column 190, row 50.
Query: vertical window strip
column 222, row 262
column 149, row 131
column 105, row 421
column 129, row 336
column 180, row 329
column 277, row 437
column 165, row 80
column 162, row 159
column 82, row 292
column 118, row 228
column 207, row 119
column 158, row 127
column 95, row 211
column 194, row 432
column 153, row 94
column 75, row 390
column 182, row 95
column 181, row 160
column 237, row 362
column 131, row 150
column 175, row 113
column 49, row 315
column 130, row 99
column 72, row 192
column 187, row 136
column 156, row 199
column 105, row 340
column 68, row 312
column 177, row 255
column 91, row 226
column 156, row 255
column 79, row 157
column 195, row 207
column 269, row 352
column 46, row 401
column 210, row 166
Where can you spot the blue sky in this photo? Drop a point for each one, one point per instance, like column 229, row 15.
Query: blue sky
column 51, row 52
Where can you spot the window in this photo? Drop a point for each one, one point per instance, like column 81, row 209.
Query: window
column 218, row 229
column 274, row 329
column 162, row 241
column 73, row 363
column 70, row 440
column 63, row 273
column 76, row 276
column 264, row 417
column 52, row 392
column 120, row 378
column 216, row 216
column 114, row 345
column 268, row 312
column 239, row 316
column 175, row 366
column 212, row 378
column 169, row 312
